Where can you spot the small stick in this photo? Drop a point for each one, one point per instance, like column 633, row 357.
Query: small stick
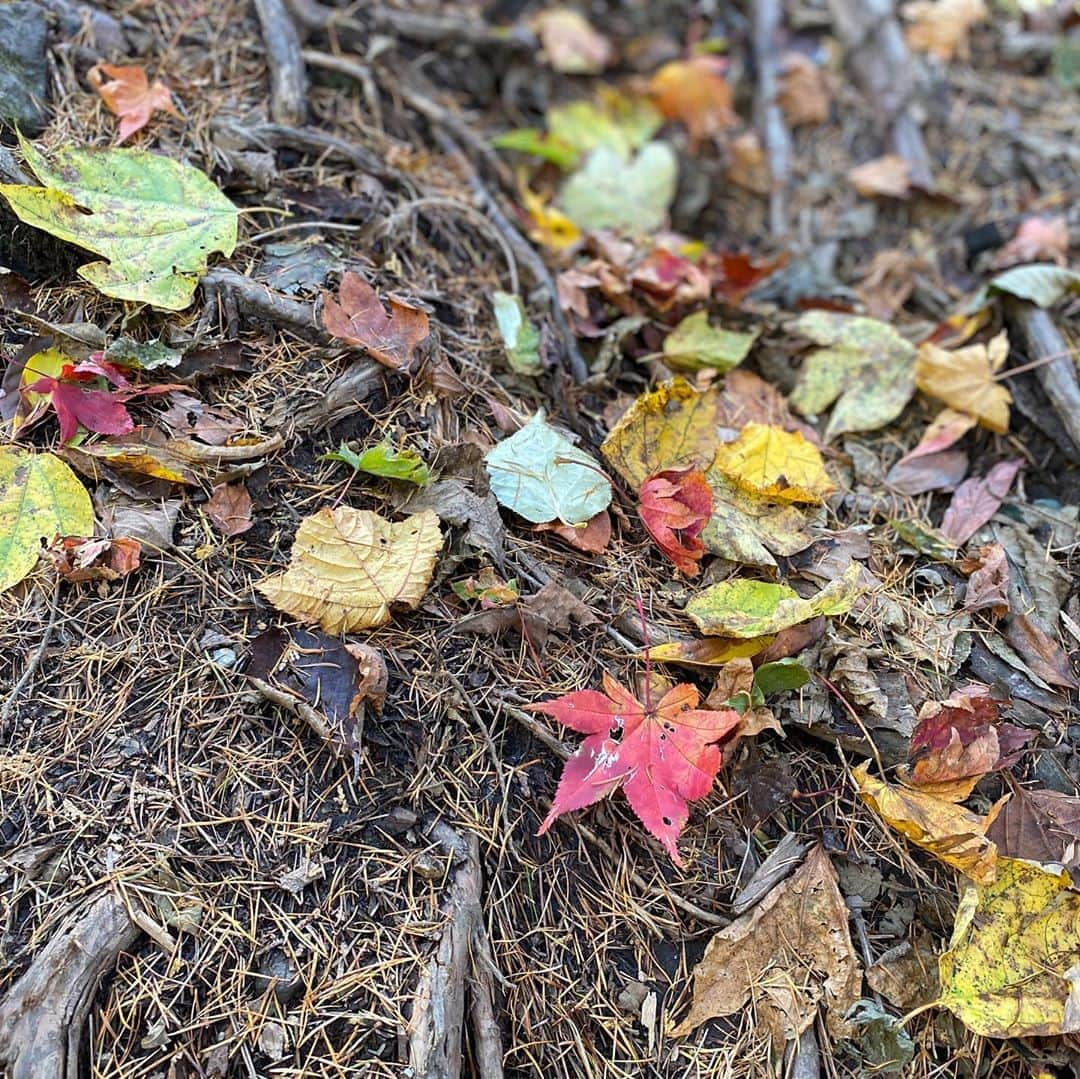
column 35, row 659
column 288, row 79
column 768, row 16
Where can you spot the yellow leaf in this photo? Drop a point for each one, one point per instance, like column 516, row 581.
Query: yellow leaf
column 775, row 463
column 40, row 499
column 1013, row 965
column 954, row 834
column 349, row 567
column 711, row 652
column 550, row 227
column 964, row 380
column 45, row 364
column 791, row 955
column 941, row 26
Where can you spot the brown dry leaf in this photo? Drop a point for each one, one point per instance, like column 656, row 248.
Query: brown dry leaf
column 941, row 27
column 696, row 93
column 790, row 955
column 908, row 980
column 553, row 608
column 748, row 398
column 229, row 509
column 964, row 380
column 977, row 500
column 954, row 834
column 804, row 94
column 888, row 177
column 889, row 281
column 349, row 567
column 988, row 585
column 1040, row 651
column 747, row 165
column 79, row 559
column 357, row 317
column 592, row 537
column 571, row 45
column 1039, row 826
column 1038, row 239
column 131, row 96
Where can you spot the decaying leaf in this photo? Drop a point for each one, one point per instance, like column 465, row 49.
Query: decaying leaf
column 941, row 27
column 542, row 476
column 1039, row 826
column 888, row 176
column 674, row 507
column 358, row 317
column 775, row 464
column 1038, row 239
column 804, row 94
column 591, row 537
column 156, row 220
column 79, row 559
column 865, row 366
column 570, row 43
column 695, row 93
column 1012, row 968
column 976, row 500
column 964, row 380
column 520, row 337
column 791, row 955
column 746, row 608
column 988, row 585
column 40, row 499
column 350, row 567
column 695, row 344
column 128, row 94
column 954, row 834
column 710, row 652
column 662, row 756
column 552, row 609
column 1043, row 654
column 229, row 509
column 612, row 192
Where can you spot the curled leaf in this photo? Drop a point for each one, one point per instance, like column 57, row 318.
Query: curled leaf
column 674, row 506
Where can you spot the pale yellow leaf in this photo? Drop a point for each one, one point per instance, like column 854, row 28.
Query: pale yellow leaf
column 964, row 380
column 775, row 463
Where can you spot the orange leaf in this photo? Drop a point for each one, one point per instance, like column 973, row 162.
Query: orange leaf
column 695, row 93
column 357, row 317
column 129, row 95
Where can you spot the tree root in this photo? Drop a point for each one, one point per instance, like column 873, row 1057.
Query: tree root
column 42, row 1017
column 288, row 79
column 461, row 966
column 768, row 15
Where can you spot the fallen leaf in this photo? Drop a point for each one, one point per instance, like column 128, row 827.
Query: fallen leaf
column 48, row 363
column 710, row 652
column 1041, row 283
column 804, row 94
column 789, row 956
column 358, row 317
column 155, row 219
column 747, row 608
column 78, row 404
column 737, row 273
column 977, row 500
column 40, row 499
column 668, row 279
column 130, row 95
column 187, row 415
column 1043, row 655
column 552, row 609
column 964, row 380
column 571, row 45
column 695, row 93
column 489, row 589
column 592, row 537
column 888, row 177
column 747, row 164
column 1011, row 967
column 674, row 507
column 620, row 122
column 611, row 191
column 1039, row 826
column 959, row 740
column 949, row 832
column 456, row 503
column 748, row 398
column 79, row 559
column 865, row 366
column 930, row 466
column 551, row 228
column 542, row 476
column 662, row 756
column 885, row 1048
column 521, row 338
column 349, row 567
column 941, row 27
column 1038, row 239
column 384, row 460
column 695, row 345
column 229, row 509
column 988, row 585
column 775, row 464
column 889, row 281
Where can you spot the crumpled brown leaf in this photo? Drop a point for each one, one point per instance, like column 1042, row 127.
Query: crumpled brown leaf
column 1039, row 826
column 553, row 608
column 791, row 955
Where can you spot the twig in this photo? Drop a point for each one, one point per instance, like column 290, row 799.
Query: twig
column 302, row 710
column 288, row 80
column 260, row 300
column 768, row 15
column 35, row 659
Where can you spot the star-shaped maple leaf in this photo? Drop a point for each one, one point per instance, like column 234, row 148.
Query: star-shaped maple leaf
column 128, row 93
column 662, row 756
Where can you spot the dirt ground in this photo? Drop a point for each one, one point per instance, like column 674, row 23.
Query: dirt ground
column 298, row 893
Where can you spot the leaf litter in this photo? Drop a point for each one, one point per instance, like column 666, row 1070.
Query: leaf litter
column 643, row 524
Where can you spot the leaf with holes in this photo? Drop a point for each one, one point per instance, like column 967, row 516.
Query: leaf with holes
column 662, row 756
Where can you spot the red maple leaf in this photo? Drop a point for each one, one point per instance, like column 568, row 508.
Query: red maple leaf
column 358, row 317
column 663, row 757
column 736, row 273
column 675, row 505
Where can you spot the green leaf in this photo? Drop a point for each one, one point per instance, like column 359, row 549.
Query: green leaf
column 1042, row 283
column 40, row 499
column 384, row 461
column 542, row 476
column 620, row 123
column 694, row 345
column 865, row 366
column 883, row 1043
column 156, row 220
column 612, row 192
column 520, row 336
column 531, row 140
column 780, row 677
column 145, row 355
column 748, row 608
column 924, row 539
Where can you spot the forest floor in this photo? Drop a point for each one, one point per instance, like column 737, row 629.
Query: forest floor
column 290, row 888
